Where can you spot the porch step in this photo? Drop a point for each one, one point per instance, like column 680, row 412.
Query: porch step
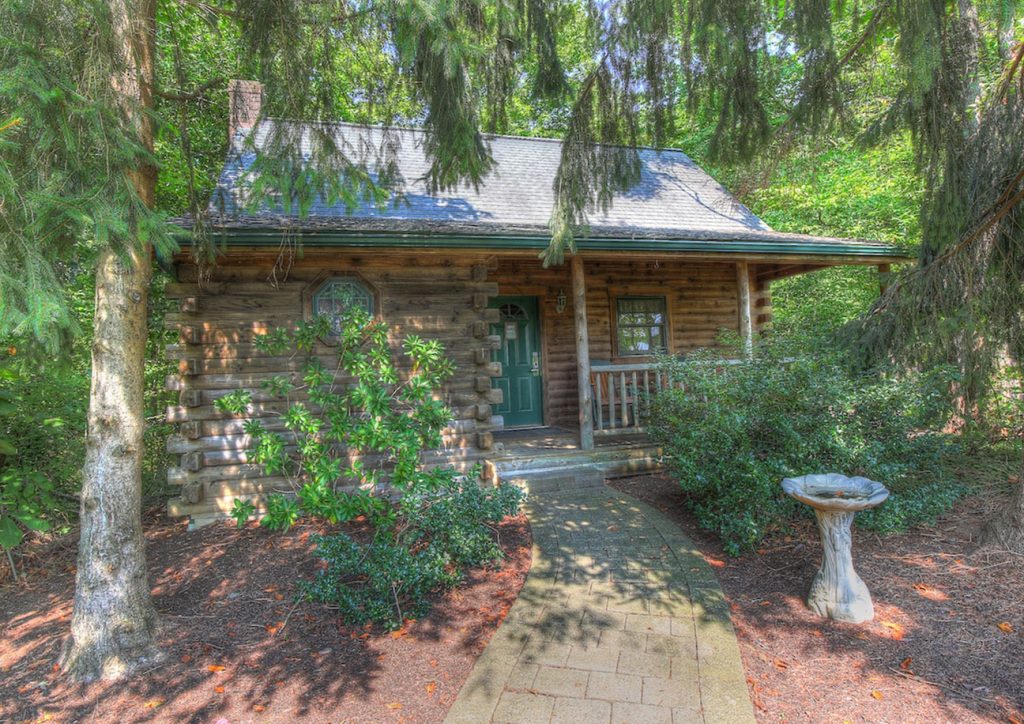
column 551, row 471
column 556, row 479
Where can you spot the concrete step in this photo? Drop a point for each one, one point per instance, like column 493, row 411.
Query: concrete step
column 555, row 479
column 611, row 462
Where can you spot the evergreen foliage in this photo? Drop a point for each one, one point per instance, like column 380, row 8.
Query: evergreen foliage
column 65, row 147
column 758, row 73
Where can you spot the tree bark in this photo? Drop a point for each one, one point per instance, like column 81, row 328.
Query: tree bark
column 114, row 621
column 1007, row 530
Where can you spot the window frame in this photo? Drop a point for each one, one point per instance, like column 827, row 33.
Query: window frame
column 311, row 291
column 666, row 327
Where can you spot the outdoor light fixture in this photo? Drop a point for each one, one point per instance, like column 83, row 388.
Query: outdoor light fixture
column 560, row 301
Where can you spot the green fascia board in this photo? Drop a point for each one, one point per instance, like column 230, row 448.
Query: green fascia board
column 272, row 237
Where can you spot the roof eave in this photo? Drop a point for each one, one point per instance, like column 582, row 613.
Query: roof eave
column 883, row 253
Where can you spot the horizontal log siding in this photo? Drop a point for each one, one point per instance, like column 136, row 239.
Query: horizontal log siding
column 702, row 300
column 432, row 295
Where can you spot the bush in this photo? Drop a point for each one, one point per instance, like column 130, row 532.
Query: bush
column 352, row 448
column 392, row 576
column 732, row 431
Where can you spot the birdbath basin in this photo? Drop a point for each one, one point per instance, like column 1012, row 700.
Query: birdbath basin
column 837, row 591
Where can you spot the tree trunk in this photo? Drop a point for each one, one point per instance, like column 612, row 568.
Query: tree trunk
column 1007, row 530
column 114, row 621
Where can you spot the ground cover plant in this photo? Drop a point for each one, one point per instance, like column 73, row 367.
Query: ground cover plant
column 732, row 431
column 350, row 444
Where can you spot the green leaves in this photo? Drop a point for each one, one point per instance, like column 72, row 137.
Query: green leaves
column 360, row 409
column 733, row 432
column 25, row 499
column 241, row 511
column 10, row 534
column 422, row 547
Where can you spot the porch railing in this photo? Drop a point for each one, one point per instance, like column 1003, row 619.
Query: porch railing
column 622, row 395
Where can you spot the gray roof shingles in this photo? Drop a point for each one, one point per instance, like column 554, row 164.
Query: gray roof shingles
column 674, row 199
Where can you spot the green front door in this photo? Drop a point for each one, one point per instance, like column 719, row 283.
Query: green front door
column 519, row 354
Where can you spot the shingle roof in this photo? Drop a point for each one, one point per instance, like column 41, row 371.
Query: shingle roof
column 674, row 199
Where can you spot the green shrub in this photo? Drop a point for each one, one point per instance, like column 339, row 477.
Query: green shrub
column 434, row 539
column 732, row 431
column 352, row 448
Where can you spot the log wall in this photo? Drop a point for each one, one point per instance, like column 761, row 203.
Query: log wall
column 435, row 295
column 442, row 297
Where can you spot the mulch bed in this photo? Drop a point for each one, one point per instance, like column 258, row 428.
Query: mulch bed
column 935, row 651
column 239, row 648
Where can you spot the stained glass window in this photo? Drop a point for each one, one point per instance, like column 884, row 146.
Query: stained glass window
column 641, row 325
column 339, row 294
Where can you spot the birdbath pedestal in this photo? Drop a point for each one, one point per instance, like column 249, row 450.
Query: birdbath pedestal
column 837, row 591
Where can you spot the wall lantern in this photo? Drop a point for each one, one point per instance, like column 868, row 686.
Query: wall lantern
column 560, row 301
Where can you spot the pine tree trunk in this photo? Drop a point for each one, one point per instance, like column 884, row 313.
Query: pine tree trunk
column 1007, row 530
column 114, row 621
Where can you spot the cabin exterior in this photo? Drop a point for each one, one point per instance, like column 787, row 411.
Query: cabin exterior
column 551, row 362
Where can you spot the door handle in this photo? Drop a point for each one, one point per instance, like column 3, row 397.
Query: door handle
column 536, row 365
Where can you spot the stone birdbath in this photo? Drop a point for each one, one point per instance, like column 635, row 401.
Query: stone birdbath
column 837, row 591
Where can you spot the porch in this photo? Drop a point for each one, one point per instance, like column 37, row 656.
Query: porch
column 573, row 347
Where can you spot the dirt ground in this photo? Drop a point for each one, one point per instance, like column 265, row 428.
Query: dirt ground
column 946, row 645
column 239, row 647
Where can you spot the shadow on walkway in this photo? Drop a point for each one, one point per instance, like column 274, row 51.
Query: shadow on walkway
column 619, row 620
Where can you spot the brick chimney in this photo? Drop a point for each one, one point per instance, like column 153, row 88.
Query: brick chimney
column 245, row 99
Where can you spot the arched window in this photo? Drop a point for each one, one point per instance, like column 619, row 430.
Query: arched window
column 338, row 294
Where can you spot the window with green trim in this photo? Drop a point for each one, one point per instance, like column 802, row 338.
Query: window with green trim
column 339, row 294
column 641, row 325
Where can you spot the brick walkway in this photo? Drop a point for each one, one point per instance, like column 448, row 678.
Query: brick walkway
column 619, row 621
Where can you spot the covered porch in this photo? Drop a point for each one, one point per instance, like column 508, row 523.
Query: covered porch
column 595, row 324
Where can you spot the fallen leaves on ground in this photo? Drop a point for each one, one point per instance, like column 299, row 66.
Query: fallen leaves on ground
column 895, row 630
column 1005, row 627
column 876, row 694
column 930, row 592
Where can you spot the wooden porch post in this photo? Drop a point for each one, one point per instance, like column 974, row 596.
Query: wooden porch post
column 883, row 277
column 579, row 307
column 746, row 318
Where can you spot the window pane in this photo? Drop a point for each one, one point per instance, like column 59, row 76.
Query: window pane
column 337, row 295
column 641, row 325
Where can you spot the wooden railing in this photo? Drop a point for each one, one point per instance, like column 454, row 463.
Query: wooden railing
column 622, row 395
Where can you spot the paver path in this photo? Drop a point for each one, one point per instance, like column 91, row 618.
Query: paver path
column 620, row 620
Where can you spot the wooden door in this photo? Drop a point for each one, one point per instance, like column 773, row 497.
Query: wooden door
column 519, row 354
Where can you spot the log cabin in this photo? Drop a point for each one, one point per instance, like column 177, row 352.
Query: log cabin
column 551, row 363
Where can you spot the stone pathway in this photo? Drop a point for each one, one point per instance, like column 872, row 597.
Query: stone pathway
column 620, row 620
